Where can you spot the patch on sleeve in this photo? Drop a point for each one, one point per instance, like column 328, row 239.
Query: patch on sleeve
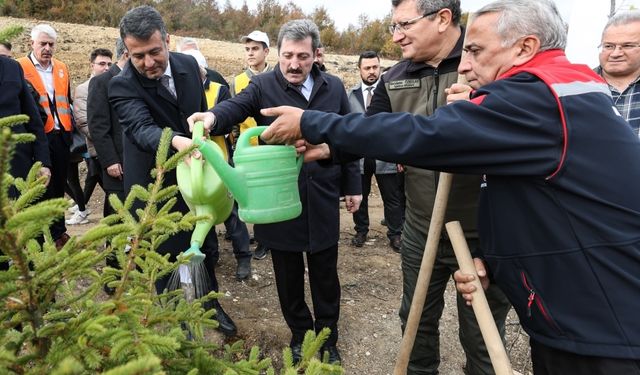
column 404, row 84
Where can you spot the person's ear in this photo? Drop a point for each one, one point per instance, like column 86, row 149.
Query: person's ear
column 526, row 48
column 444, row 18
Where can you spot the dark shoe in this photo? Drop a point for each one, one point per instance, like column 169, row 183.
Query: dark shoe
column 383, row 222
column 296, row 352
column 62, row 240
column 332, row 352
column 260, row 252
column 359, row 239
column 396, row 244
column 225, row 324
column 243, row 270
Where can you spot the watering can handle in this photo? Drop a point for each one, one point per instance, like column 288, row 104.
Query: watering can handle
column 198, row 130
column 197, row 165
column 245, row 137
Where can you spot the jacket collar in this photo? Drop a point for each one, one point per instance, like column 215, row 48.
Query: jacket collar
column 178, row 72
column 316, row 74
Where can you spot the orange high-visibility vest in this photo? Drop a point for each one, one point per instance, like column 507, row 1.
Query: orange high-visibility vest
column 60, row 75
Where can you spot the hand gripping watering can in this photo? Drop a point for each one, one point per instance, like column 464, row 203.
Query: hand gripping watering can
column 204, row 193
column 264, row 180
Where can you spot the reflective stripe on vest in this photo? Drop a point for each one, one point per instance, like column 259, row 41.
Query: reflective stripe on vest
column 211, row 95
column 60, row 75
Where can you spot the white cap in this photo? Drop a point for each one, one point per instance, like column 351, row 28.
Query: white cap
column 198, row 56
column 256, row 36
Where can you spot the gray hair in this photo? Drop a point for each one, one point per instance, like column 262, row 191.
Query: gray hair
column 300, row 30
column 428, row 6
column 623, row 18
column 141, row 23
column 184, row 42
column 43, row 28
column 120, row 48
column 526, row 17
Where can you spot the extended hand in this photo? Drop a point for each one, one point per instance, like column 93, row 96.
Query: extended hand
column 115, row 171
column 44, row 171
column 207, row 118
column 352, row 202
column 286, row 128
column 312, row 152
column 464, row 281
column 458, row 91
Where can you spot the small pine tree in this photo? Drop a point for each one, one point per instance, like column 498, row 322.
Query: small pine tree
column 52, row 318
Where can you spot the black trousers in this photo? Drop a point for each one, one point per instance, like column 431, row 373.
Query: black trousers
column 289, row 271
column 550, row 361
column 390, row 192
column 239, row 234
column 59, row 151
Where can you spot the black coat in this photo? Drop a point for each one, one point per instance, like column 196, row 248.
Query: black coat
column 320, row 186
column 15, row 98
column 145, row 108
column 214, row 76
column 104, row 126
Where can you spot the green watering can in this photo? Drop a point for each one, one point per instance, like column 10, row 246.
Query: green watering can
column 264, row 181
column 204, row 193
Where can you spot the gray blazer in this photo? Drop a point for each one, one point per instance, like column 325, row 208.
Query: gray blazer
column 356, row 101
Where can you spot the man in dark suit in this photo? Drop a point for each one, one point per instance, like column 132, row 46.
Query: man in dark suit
column 16, row 98
column 386, row 173
column 296, row 81
column 105, row 128
column 158, row 89
column 106, row 133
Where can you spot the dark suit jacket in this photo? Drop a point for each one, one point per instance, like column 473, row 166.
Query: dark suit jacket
column 145, row 108
column 104, row 126
column 15, row 98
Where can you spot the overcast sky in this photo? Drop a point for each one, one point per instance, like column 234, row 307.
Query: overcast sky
column 586, row 19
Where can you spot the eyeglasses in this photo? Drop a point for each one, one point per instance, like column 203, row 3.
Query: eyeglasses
column 404, row 25
column 610, row 47
column 103, row 63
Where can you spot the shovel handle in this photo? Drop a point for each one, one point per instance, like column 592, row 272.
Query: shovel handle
column 424, row 276
column 492, row 339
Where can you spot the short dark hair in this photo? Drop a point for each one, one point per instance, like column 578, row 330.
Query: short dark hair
column 6, row 44
column 100, row 52
column 426, row 6
column 141, row 23
column 367, row 55
column 120, row 48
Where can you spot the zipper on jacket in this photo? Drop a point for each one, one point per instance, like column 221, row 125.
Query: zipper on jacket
column 436, row 82
column 535, row 297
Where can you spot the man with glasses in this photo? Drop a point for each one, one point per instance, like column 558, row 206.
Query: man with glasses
column 429, row 34
column 620, row 64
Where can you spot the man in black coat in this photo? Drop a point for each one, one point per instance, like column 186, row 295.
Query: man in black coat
column 15, row 99
column 298, row 82
column 158, row 89
column 105, row 128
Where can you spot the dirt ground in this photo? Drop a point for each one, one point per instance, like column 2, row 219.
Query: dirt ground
column 370, row 276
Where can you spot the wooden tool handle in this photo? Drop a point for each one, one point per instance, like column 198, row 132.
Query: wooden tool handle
column 497, row 353
column 424, row 276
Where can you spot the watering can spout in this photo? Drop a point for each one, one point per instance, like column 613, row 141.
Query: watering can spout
column 231, row 178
